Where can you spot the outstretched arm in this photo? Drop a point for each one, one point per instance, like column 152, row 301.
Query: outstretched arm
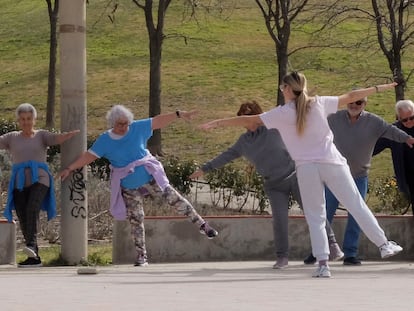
column 244, row 121
column 83, row 160
column 162, row 120
column 361, row 93
column 61, row 138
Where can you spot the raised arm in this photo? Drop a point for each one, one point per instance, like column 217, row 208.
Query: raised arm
column 61, row 138
column 361, row 93
column 244, row 121
column 162, row 120
column 83, row 160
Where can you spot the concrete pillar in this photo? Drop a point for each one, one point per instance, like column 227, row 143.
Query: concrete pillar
column 74, row 203
column 7, row 242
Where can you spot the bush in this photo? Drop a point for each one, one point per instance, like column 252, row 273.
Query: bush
column 393, row 201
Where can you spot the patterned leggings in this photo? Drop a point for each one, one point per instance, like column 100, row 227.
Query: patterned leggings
column 134, row 201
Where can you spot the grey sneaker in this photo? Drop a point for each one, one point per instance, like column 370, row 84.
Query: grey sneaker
column 322, row 272
column 210, row 232
column 335, row 252
column 281, row 263
column 390, row 249
column 141, row 261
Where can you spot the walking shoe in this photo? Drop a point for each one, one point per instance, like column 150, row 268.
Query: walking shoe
column 390, row 249
column 281, row 263
column 30, row 252
column 141, row 261
column 335, row 252
column 352, row 261
column 310, row 260
column 208, row 231
column 322, row 272
column 30, row 262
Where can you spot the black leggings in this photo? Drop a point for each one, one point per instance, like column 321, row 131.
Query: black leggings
column 27, row 204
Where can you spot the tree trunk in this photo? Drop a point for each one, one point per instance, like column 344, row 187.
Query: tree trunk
column 282, row 60
column 154, row 143
column 51, row 85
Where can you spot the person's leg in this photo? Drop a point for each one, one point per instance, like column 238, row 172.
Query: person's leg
column 278, row 196
column 332, row 204
column 181, row 204
column 20, row 199
column 313, row 201
column 410, row 182
column 37, row 193
column 340, row 182
column 352, row 230
column 134, row 203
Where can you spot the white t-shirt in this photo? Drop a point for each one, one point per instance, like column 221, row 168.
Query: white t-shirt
column 316, row 142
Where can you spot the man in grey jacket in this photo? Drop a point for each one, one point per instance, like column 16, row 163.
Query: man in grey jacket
column 355, row 133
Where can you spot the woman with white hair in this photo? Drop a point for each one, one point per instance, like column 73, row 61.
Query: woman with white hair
column 402, row 155
column 31, row 183
column 135, row 173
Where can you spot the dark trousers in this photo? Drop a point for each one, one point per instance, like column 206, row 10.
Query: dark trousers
column 27, row 204
column 410, row 182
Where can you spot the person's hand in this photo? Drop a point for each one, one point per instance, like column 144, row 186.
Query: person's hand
column 410, row 142
column 70, row 134
column 209, row 125
column 383, row 87
column 64, row 174
column 188, row 115
column 198, row 173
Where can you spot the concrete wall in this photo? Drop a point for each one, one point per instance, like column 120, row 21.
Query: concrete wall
column 174, row 239
column 7, row 242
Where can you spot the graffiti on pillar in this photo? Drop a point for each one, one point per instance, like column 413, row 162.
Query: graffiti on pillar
column 77, row 194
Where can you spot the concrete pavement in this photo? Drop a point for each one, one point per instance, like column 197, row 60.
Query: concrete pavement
column 217, row 286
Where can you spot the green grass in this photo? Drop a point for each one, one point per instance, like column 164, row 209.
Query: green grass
column 226, row 59
column 98, row 254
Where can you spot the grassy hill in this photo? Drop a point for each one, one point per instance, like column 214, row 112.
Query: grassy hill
column 226, row 59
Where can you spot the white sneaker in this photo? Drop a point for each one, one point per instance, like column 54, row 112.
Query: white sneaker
column 390, row 249
column 335, row 252
column 281, row 263
column 322, row 272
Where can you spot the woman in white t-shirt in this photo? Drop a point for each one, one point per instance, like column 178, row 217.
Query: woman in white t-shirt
column 302, row 123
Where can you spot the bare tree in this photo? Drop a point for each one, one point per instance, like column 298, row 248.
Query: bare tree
column 395, row 33
column 53, row 10
column 279, row 16
column 155, row 28
column 392, row 25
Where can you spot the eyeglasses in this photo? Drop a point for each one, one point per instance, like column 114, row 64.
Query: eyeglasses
column 407, row 119
column 282, row 87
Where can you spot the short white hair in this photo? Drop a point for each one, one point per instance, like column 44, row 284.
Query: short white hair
column 117, row 112
column 404, row 105
column 26, row 107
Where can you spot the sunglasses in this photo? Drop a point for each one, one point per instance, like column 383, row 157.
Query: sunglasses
column 358, row 102
column 407, row 119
